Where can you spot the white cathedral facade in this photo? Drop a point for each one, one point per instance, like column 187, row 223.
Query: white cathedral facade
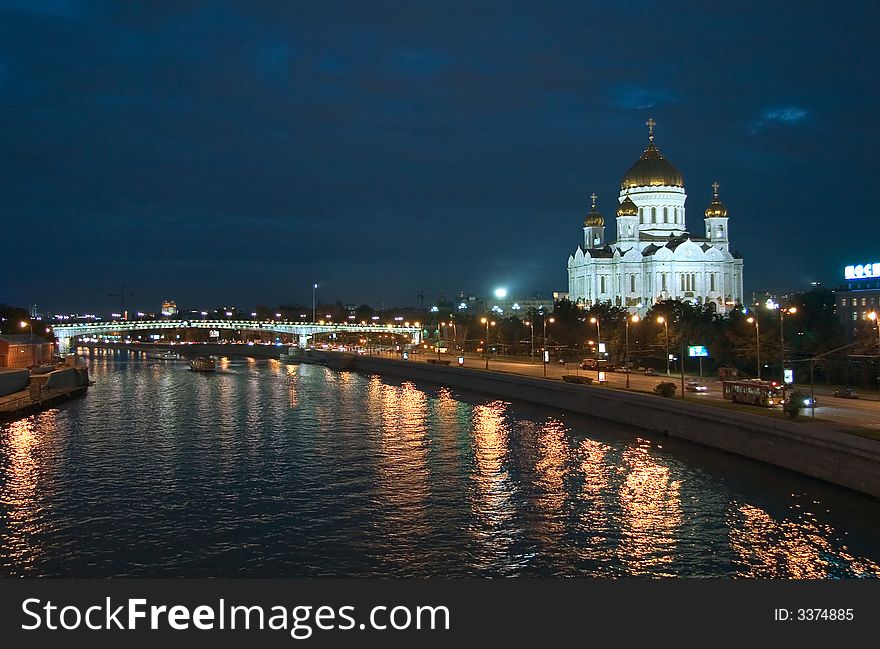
column 655, row 256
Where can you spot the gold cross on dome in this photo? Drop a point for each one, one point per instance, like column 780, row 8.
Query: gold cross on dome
column 715, row 187
column 594, row 197
column 651, row 124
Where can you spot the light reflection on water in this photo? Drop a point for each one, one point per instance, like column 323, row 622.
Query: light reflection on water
column 264, row 469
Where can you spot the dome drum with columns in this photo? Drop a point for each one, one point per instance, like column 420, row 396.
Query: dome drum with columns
column 655, row 257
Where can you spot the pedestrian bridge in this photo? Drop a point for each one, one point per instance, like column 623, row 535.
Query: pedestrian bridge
column 305, row 331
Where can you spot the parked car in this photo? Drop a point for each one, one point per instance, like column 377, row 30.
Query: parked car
column 650, row 372
column 846, row 393
column 695, row 386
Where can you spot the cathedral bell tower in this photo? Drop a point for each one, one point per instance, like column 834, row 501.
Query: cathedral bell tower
column 627, row 223
column 716, row 220
column 594, row 228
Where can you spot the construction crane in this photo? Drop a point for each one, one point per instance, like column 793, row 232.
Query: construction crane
column 121, row 295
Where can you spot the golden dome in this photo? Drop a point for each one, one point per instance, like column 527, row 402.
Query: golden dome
column 652, row 169
column 627, row 208
column 716, row 207
column 594, row 219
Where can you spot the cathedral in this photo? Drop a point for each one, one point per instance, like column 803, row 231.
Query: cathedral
column 655, row 256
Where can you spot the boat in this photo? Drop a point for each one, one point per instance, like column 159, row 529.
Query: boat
column 202, row 364
column 292, row 355
column 164, row 355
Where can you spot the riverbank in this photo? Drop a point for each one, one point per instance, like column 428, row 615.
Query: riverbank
column 813, row 449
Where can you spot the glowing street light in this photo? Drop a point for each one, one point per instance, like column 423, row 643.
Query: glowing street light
column 488, row 323
column 754, row 320
column 782, row 313
column 501, row 293
column 545, row 359
column 876, row 319
column 635, row 318
column 314, row 303
column 594, row 320
column 665, row 324
column 531, row 325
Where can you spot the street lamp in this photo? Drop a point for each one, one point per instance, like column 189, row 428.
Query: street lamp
column 665, row 324
column 545, row 359
column 634, row 318
column 754, row 319
column 873, row 316
column 314, row 304
column 488, row 323
column 782, row 314
column 595, row 321
column 531, row 325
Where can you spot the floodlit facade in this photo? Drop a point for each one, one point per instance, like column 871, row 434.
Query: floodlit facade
column 655, row 256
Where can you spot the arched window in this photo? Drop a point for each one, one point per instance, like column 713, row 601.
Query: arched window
column 632, row 283
column 666, row 215
column 641, row 215
column 602, row 284
column 653, row 215
column 675, row 219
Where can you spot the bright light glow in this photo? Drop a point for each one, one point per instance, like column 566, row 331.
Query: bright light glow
column 872, row 315
column 750, row 320
column 593, row 320
column 434, row 309
column 483, row 320
column 552, row 320
column 661, row 319
column 501, row 293
column 636, row 318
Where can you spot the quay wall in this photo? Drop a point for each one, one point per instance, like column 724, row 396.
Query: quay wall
column 809, row 448
column 12, row 380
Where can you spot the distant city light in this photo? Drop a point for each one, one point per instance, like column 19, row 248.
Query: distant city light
column 501, row 293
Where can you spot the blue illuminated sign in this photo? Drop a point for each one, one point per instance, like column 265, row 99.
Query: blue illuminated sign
column 862, row 271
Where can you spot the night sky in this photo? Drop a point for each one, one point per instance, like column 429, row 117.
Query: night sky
column 234, row 153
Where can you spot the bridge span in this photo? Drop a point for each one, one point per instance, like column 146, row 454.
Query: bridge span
column 305, row 331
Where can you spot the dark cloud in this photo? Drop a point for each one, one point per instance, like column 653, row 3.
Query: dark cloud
column 236, row 151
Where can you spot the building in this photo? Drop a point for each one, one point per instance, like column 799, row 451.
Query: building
column 859, row 296
column 508, row 305
column 25, row 350
column 655, row 256
column 169, row 308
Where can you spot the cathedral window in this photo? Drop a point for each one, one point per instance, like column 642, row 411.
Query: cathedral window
column 632, row 283
column 711, row 281
column 641, row 215
column 653, row 215
column 602, row 284
column 666, row 215
column 675, row 216
column 682, row 283
column 663, row 281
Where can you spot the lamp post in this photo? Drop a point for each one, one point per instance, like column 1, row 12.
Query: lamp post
column 873, row 316
column 754, row 319
column 594, row 320
column 488, row 323
column 531, row 325
column 665, row 324
column 30, row 325
column 545, row 359
column 314, row 304
column 634, row 318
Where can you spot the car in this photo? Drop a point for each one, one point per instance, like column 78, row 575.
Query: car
column 695, row 386
column 650, row 372
column 846, row 393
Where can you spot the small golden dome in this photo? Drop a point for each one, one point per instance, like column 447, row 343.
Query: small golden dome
column 716, row 207
column 594, row 219
column 627, row 208
column 652, row 169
